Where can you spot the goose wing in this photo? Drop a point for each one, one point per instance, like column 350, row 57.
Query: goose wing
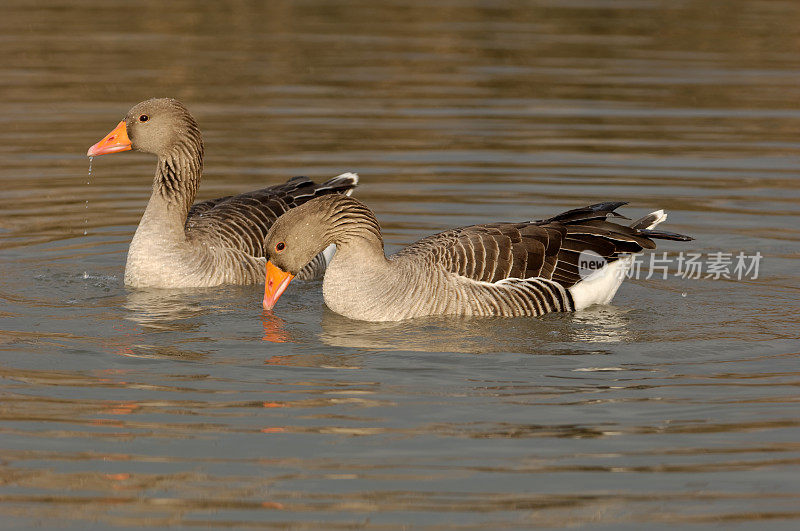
column 547, row 249
column 490, row 253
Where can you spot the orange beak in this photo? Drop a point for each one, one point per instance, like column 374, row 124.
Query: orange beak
column 114, row 142
column 277, row 280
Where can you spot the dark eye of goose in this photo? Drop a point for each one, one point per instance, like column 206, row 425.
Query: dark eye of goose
column 144, row 118
column 280, row 247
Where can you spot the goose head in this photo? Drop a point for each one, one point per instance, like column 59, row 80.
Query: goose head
column 154, row 126
column 306, row 230
column 293, row 241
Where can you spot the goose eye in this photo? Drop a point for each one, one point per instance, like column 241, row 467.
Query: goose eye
column 280, row 247
column 144, row 118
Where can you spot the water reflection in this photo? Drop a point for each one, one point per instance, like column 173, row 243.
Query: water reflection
column 274, row 328
column 155, row 312
column 165, row 309
column 150, row 351
column 602, row 324
column 321, row 360
column 532, row 335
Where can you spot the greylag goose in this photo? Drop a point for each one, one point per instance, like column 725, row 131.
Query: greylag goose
column 220, row 241
column 500, row 269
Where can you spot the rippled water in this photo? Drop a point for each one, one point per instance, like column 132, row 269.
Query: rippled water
column 678, row 404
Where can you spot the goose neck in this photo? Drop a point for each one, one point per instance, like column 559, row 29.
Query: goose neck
column 178, row 175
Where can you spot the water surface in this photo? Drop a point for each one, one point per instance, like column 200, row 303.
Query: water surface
column 678, row 404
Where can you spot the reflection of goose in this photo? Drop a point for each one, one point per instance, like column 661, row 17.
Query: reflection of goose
column 274, row 329
column 213, row 242
column 601, row 324
column 559, row 334
column 165, row 309
column 434, row 334
column 161, row 310
column 502, row 269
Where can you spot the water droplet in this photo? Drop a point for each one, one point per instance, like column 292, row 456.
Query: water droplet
column 86, row 206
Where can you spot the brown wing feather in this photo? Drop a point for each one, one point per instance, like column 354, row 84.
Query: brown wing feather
column 547, row 249
column 489, row 253
column 609, row 240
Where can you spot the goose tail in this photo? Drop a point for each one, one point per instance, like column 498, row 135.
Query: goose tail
column 344, row 183
column 646, row 225
column 600, row 286
column 597, row 211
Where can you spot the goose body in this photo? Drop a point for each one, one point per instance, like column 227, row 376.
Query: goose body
column 500, row 269
column 179, row 244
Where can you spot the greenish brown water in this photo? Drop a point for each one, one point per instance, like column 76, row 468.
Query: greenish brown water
column 676, row 405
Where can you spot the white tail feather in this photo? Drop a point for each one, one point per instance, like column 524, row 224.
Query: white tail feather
column 348, row 175
column 660, row 216
column 601, row 286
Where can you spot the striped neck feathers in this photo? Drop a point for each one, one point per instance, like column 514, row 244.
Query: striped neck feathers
column 178, row 172
column 350, row 220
